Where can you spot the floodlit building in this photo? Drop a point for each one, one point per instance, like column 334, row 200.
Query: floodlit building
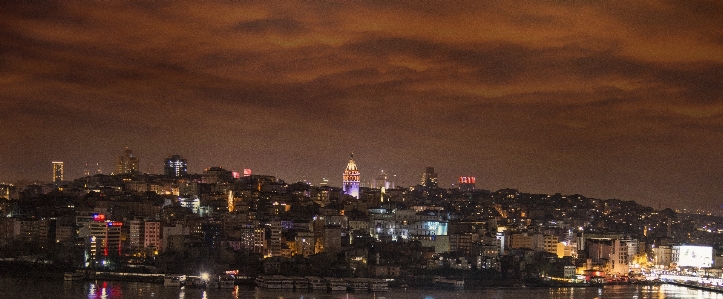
column 351, row 179
column 102, row 239
column 175, row 166
column 57, row 172
column 126, row 163
column 692, row 256
column 467, row 183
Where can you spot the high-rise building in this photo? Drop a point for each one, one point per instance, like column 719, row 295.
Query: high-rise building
column 152, row 235
column 215, row 175
column 175, row 166
column 57, row 172
column 351, row 179
column 429, row 177
column 467, row 183
column 275, row 241
column 126, row 163
column 136, row 236
column 102, row 239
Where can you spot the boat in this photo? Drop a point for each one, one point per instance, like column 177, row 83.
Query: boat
column 287, row 283
column 300, row 283
column 174, row 280
column 359, row 284
column 336, row 284
column 448, row 283
column 77, row 275
column 260, row 282
column 269, row 282
column 316, row 283
column 213, row 284
column 226, row 282
column 194, row 282
column 275, row 282
column 378, row 285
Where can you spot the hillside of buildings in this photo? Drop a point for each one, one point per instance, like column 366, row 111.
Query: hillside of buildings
column 261, row 225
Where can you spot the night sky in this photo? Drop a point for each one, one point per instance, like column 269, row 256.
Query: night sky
column 608, row 99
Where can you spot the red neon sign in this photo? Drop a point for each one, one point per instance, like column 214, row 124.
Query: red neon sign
column 467, row 180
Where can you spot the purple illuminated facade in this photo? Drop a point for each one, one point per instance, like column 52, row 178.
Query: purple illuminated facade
column 351, row 179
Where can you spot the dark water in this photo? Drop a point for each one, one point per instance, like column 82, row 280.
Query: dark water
column 14, row 288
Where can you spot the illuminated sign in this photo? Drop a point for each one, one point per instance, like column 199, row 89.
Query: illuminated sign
column 247, row 172
column 235, row 174
column 115, row 223
column 467, row 180
column 693, row 256
column 98, row 217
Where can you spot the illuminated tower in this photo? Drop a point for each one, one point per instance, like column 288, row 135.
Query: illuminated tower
column 175, row 166
column 57, row 172
column 382, row 181
column 126, row 163
column 351, row 179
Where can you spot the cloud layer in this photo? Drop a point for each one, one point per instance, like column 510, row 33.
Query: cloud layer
column 606, row 99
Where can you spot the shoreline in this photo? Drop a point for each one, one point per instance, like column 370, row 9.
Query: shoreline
column 22, row 269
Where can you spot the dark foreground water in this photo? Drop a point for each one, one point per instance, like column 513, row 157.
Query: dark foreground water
column 17, row 288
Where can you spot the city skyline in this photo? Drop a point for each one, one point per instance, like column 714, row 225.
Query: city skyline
column 608, row 100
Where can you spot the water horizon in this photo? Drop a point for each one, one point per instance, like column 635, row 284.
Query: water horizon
column 44, row 288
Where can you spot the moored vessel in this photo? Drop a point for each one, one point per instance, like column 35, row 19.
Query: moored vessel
column 336, row 284
column 77, row 275
column 448, row 282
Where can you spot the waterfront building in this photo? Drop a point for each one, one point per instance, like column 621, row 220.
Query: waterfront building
column 610, row 253
column 542, row 242
column 305, row 243
column 692, row 256
column 259, row 240
column 169, row 231
column 276, row 239
column 102, row 239
column 152, row 236
column 662, row 256
column 135, row 238
column 566, row 248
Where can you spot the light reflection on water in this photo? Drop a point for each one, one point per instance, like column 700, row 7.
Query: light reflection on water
column 39, row 288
